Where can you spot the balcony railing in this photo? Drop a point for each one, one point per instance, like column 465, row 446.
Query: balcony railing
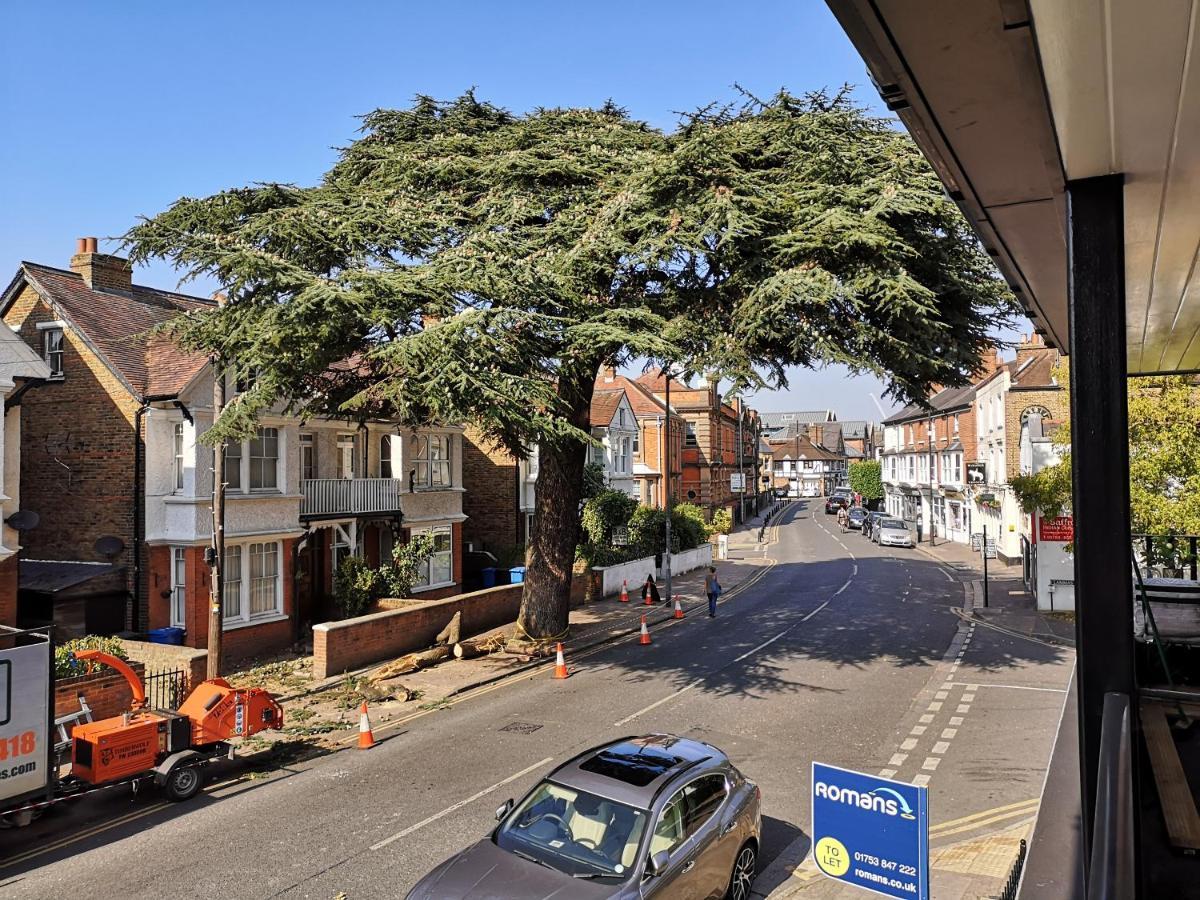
column 349, row 496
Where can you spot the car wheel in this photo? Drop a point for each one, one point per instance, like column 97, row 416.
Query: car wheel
column 741, row 879
column 184, row 782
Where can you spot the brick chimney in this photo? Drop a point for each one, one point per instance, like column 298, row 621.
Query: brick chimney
column 1031, row 345
column 714, row 390
column 989, row 363
column 608, row 374
column 101, row 271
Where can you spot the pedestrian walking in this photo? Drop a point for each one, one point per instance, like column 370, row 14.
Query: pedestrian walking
column 650, row 589
column 712, row 587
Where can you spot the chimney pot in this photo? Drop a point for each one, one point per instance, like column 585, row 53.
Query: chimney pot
column 81, row 245
column 610, row 374
column 91, row 245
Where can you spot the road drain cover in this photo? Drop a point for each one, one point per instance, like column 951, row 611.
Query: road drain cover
column 521, row 727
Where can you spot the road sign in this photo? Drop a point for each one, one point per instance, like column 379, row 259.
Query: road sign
column 991, row 548
column 737, row 483
column 976, row 541
column 869, row 832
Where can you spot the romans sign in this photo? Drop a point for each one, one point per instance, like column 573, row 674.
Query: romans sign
column 1060, row 528
column 869, row 832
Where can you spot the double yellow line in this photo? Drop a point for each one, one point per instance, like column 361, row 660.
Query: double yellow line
column 808, row 869
column 82, row 835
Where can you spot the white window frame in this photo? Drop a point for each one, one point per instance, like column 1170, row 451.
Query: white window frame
column 308, row 447
column 250, row 459
column 178, row 611
column 385, row 455
column 424, row 462
column 177, row 435
column 347, row 451
column 48, row 331
column 423, row 582
column 689, row 434
column 243, row 586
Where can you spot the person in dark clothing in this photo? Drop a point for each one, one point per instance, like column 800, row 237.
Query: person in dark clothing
column 651, row 589
column 712, row 587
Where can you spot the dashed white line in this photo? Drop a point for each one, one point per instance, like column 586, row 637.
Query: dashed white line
column 964, row 708
column 956, row 720
column 926, row 719
column 908, row 744
column 917, row 730
column 949, row 733
column 941, row 747
column 1011, row 687
column 887, row 773
column 921, row 780
column 931, row 763
column 460, row 804
column 897, row 759
column 667, row 699
column 934, row 707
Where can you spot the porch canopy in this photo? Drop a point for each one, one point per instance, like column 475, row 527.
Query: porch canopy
column 1068, row 131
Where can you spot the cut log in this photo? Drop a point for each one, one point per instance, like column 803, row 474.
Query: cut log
column 410, row 663
column 452, row 632
column 469, row 649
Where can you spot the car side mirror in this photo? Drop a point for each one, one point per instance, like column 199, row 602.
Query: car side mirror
column 503, row 811
column 657, row 864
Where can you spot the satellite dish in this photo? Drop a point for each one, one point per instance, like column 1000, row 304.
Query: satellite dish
column 23, row 520
column 109, row 546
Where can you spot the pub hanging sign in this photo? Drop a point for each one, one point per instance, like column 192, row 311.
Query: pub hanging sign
column 1058, row 528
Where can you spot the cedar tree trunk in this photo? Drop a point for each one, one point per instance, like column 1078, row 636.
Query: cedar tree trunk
column 546, row 598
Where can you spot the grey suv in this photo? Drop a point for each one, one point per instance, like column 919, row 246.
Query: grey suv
column 654, row 816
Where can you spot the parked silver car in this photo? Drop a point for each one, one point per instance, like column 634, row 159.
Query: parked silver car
column 894, row 533
column 653, row 816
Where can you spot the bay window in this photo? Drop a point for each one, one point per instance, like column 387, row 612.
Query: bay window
column 252, row 588
column 431, row 452
column 438, row 569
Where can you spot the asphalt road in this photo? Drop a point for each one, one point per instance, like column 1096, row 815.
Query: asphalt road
column 837, row 654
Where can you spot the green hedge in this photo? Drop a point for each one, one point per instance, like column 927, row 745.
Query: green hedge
column 67, row 666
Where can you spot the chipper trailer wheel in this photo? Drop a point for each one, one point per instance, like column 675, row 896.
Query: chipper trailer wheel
column 184, row 782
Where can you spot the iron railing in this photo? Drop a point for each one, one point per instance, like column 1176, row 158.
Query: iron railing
column 1110, row 874
column 165, row 689
column 1168, row 554
column 349, row 496
column 1014, row 875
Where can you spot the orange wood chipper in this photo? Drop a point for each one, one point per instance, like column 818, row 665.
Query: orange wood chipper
column 170, row 746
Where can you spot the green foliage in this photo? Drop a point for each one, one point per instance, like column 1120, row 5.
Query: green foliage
column 722, row 522
column 406, row 563
column 1164, row 459
column 691, row 517
column 866, row 478
column 605, row 511
column 358, row 585
column 648, row 530
column 65, row 664
column 593, row 480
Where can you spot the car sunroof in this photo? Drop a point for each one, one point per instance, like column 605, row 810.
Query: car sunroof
column 632, row 763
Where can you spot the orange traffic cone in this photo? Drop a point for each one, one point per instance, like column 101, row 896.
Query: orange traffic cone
column 624, row 592
column 678, row 608
column 645, row 637
column 366, row 740
column 649, row 601
column 560, row 666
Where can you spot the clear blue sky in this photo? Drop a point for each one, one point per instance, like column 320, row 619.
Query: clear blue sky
column 114, row 110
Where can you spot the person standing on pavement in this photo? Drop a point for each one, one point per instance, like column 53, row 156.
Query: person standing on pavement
column 650, row 589
column 712, row 587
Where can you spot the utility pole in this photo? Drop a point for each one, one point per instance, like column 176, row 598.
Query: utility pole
column 217, row 552
column 216, row 618
column 667, row 552
column 932, row 471
column 983, row 547
column 741, row 469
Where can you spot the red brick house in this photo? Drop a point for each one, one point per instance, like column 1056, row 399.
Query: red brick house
column 111, row 447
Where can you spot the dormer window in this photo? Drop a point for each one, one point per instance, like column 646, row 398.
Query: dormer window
column 52, row 350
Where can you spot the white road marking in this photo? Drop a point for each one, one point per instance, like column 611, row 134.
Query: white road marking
column 964, row 708
column 941, row 747
column 460, row 804
column 934, row 707
column 968, row 698
column 931, row 763
column 941, row 695
column 897, row 759
column 949, row 733
column 949, row 577
column 887, row 773
column 908, row 744
column 926, row 719
column 956, row 720
column 658, row 703
column 1011, row 687
column 921, row 780
column 918, row 730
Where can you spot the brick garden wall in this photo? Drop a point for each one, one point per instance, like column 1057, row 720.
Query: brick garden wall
column 341, row 646
column 8, row 591
column 160, row 657
column 107, row 692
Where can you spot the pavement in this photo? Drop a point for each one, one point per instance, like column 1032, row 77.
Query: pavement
column 830, row 649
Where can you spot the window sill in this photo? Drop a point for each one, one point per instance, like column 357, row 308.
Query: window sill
column 59, row 377
column 447, row 489
column 433, row 587
column 250, row 623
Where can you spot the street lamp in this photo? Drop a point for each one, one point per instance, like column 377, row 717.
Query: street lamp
column 667, row 551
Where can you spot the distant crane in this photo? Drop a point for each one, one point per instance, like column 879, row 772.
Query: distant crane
column 878, row 406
